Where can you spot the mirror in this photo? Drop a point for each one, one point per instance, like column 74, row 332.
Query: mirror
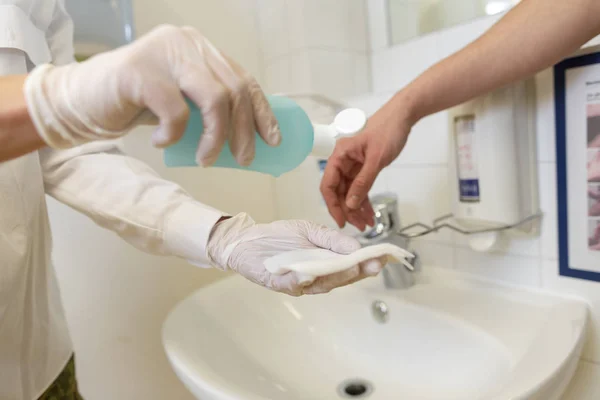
column 412, row 18
column 100, row 25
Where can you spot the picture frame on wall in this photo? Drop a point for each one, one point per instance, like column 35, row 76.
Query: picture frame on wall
column 577, row 108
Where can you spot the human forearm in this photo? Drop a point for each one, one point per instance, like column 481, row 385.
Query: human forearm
column 17, row 132
column 534, row 35
column 531, row 37
column 126, row 196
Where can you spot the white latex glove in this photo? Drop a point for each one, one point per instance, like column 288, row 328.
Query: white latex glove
column 109, row 94
column 241, row 245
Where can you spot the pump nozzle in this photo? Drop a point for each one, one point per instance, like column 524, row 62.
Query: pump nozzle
column 347, row 123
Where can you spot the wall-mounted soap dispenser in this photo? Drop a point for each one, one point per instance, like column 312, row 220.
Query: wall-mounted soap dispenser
column 493, row 164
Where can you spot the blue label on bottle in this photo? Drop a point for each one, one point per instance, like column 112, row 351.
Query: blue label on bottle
column 469, row 189
column 322, row 165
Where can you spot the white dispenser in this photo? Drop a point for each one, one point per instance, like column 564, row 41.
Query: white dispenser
column 493, row 164
column 347, row 123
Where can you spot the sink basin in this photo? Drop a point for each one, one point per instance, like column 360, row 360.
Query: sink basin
column 447, row 338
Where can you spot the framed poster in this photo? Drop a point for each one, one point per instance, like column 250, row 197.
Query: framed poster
column 577, row 106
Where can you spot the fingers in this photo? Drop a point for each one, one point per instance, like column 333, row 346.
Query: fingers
column 242, row 141
column 289, row 283
column 166, row 102
column 367, row 212
column 373, row 267
column 266, row 123
column 359, row 218
column 332, row 179
column 344, row 167
column 362, row 183
column 249, row 107
column 330, row 239
column 213, row 100
column 327, row 283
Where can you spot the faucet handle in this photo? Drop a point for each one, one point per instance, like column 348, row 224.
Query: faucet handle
column 385, row 200
column 385, row 206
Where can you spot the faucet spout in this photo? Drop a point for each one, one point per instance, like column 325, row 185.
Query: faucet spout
column 387, row 223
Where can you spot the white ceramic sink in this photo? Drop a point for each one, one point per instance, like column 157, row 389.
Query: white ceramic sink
column 456, row 340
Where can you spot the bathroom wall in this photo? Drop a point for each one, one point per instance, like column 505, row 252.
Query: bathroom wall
column 116, row 297
column 313, row 46
column 419, row 178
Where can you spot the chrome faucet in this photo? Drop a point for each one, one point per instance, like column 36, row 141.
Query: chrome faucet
column 387, row 223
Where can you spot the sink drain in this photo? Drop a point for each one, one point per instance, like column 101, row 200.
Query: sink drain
column 355, row 389
column 380, row 311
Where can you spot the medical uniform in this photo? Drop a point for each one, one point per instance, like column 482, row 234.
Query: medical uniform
column 117, row 192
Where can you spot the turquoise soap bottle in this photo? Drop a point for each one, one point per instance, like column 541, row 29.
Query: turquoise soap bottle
column 300, row 138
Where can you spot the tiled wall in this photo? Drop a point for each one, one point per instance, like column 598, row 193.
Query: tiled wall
column 419, row 175
column 313, row 46
column 302, row 37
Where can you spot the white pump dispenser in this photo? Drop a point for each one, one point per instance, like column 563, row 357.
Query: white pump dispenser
column 493, row 163
column 347, row 123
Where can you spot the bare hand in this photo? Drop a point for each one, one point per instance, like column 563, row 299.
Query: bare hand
column 356, row 162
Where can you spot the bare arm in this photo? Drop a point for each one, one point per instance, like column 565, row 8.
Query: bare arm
column 17, row 133
column 533, row 36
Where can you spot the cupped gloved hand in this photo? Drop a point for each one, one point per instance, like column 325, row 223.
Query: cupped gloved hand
column 145, row 82
column 241, row 245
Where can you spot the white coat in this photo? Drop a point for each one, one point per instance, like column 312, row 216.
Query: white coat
column 119, row 193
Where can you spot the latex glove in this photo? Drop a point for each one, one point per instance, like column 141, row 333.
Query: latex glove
column 109, row 94
column 241, row 245
column 355, row 163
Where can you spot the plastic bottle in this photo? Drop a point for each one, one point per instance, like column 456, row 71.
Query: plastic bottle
column 300, row 138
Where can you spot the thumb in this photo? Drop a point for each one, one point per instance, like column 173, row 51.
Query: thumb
column 362, row 183
column 330, row 239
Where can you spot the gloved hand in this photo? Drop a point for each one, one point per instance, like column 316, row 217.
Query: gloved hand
column 241, row 245
column 109, row 94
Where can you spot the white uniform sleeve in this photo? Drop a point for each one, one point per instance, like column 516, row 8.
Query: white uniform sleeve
column 126, row 196
column 121, row 193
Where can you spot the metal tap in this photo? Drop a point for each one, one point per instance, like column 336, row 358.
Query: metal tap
column 387, row 223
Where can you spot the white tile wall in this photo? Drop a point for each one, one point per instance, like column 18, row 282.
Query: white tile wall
column 272, row 19
column 306, row 43
column 370, row 103
column 545, row 116
column 427, row 143
column 549, row 231
column 378, row 25
column 523, row 271
column 351, row 71
column 406, row 17
column 330, row 24
column 434, row 254
column 393, row 68
column 422, row 195
column 457, row 37
column 278, row 75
